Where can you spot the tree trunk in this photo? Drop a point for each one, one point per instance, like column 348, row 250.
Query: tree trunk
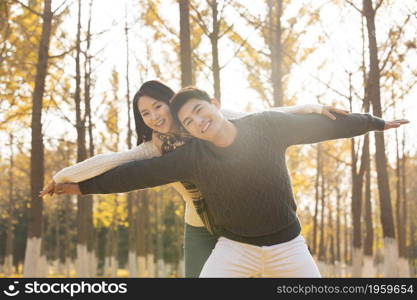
column 160, row 270
column 132, row 259
column 338, row 233
column 214, row 38
column 403, row 265
column 331, row 253
column 275, row 47
column 84, row 203
column 368, row 264
column 387, row 221
column 322, row 241
column 346, row 242
column 316, row 206
column 8, row 255
column 140, row 229
column 33, row 250
column 150, row 253
column 356, row 215
column 185, row 44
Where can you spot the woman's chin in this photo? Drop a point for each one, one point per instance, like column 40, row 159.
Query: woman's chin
column 163, row 130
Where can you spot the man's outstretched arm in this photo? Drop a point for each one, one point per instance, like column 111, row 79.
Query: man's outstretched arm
column 308, row 129
column 141, row 174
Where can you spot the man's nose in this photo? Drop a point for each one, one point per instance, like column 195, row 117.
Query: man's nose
column 199, row 120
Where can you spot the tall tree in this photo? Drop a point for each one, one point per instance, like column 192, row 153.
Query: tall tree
column 160, row 262
column 401, row 210
column 84, row 205
column 275, row 46
column 33, row 247
column 8, row 260
column 374, row 93
column 317, row 200
column 132, row 259
column 141, row 215
column 92, row 258
column 185, row 43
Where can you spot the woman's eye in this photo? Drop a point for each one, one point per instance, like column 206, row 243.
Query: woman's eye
column 158, row 106
column 198, row 110
column 145, row 114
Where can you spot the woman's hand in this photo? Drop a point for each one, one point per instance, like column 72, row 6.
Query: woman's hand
column 48, row 190
column 328, row 110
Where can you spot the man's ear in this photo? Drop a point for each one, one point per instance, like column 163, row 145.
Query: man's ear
column 216, row 102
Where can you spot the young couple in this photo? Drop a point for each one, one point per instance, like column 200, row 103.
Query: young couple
column 233, row 169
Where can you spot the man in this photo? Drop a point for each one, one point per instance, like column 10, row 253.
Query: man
column 239, row 167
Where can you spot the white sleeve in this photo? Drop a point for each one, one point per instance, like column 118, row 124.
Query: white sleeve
column 296, row 109
column 101, row 163
column 230, row 114
column 300, row 109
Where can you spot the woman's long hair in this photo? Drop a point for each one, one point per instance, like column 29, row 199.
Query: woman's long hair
column 156, row 90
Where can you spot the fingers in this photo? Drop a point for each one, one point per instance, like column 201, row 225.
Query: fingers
column 339, row 111
column 43, row 193
column 328, row 110
column 328, row 114
column 395, row 123
column 402, row 121
column 49, row 190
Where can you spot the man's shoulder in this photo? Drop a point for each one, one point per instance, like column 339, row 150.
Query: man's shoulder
column 262, row 117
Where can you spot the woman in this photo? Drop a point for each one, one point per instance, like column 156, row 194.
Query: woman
column 158, row 134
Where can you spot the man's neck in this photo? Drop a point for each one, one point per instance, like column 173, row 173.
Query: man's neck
column 226, row 135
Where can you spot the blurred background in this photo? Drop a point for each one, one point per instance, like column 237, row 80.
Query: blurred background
column 69, row 70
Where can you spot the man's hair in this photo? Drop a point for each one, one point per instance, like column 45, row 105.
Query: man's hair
column 184, row 95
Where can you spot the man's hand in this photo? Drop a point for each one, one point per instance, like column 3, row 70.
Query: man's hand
column 395, row 123
column 67, row 189
column 61, row 188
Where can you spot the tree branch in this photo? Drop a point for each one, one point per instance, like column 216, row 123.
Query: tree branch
column 199, row 20
column 29, row 8
column 378, row 5
column 395, row 43
column 354, row 6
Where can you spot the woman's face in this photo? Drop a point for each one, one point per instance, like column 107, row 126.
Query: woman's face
column 156, row 114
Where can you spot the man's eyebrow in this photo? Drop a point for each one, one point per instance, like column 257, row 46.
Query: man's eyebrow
column 195, row 107
column 193, row 110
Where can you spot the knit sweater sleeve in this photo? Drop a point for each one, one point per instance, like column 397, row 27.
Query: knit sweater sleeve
column 296, row 109
column 141, row 174
column 291, row 129
column 101, row 163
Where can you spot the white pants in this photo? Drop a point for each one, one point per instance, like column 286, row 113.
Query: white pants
column 234, row 259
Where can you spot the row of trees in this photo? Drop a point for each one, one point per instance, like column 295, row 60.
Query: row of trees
column 49, row 77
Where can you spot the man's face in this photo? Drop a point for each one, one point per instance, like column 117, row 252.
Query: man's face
column 201, row 119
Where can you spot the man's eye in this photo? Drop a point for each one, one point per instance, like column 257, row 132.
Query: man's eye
column 188, row 123
column 199, row 109
column 158, row 106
